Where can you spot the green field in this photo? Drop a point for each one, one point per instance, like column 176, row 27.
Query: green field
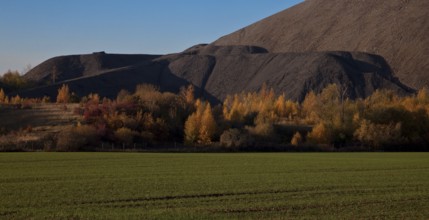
column 242, row 185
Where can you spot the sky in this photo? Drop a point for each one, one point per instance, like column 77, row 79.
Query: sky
column 32, row 31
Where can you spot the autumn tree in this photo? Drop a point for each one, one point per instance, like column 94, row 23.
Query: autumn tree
column 417, row 102
column 93, row 98
column 320, row 134
column 291, row 109
column 188, row 94
column 124, row 96
column 423, row 96
column 377, row 135
column 330, row 99
column 310, row 107
column 125, row 136
column 13, row 80
column 207, row 126
column 16, row 100
column 2, row 96
column 147, row 93
column 192, row 126
column 280, row 106
column 381, row 98
column 200, row 127
column 63, row 94
column 263, row 128
column 237, row 111
column 296, row 139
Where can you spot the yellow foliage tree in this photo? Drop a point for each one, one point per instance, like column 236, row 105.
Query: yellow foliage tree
column 2, row 96
column 199, row 106
column 200, row 127
column 423, row 96
column 320, row 134
column 310, row 107
column 330, row 103
column 15, row 100
column 280, row 106
column 125, row 135
column 14, row 80
column 376, row 135
column 291, row 109
column 208, row 126
column 381, row 98
column 6, row 100
column 235, row 109
column 188, row 94
column 296, row 139
column 192, row 125
column 63, row 94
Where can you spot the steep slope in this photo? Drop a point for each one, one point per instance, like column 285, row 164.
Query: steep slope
column 218, row 71
column 110, row 82
column 397, row 30
column 74, row 66
column 221, row 71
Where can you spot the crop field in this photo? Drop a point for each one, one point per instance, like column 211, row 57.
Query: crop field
column 215, row 186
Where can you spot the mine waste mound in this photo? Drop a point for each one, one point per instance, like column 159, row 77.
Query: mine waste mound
column 361, row 45
column 397, row 30
column 217, row 71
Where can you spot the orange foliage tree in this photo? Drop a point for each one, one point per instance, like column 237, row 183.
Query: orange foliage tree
column 2, row 96
column 200, row 127
column 63, row 94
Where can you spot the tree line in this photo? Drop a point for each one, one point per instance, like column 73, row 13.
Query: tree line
column 249, row 120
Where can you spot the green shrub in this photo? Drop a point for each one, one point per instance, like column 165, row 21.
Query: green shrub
column 235, row 138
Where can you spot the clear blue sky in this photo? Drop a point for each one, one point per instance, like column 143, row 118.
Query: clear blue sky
column 32, row 31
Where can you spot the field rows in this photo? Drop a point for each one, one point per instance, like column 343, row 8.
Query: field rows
column 183, row 186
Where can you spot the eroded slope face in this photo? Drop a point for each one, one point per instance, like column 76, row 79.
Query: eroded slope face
column 294, row 74
column 218, row 71
column 397, row 30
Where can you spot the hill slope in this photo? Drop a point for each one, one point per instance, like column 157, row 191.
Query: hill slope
column 74, row 66
column 398, row 30
column 220, row 71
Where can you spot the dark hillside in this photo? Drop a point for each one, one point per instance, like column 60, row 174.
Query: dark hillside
column 224, row 70
column 398, row 30
column 74, row 66
column 219, row 71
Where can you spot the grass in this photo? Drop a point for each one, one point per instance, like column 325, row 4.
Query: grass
column 215, row 186
column 50, row 117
